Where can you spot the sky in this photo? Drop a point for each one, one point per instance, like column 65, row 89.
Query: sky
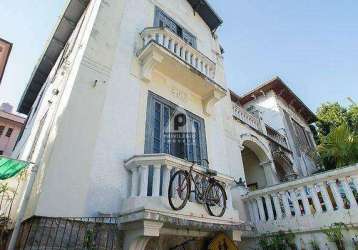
column 311, row 44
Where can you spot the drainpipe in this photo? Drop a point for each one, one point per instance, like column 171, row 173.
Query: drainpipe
column 22, row 208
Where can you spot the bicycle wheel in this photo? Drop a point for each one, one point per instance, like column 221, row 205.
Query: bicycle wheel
column 216, row 200
column 179, row 190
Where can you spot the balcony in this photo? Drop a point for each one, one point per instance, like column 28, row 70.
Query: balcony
column 276, row 136
column 147, row 198
column 306, row 204
column 256, row 123
column 167, row 53
column 247, row 118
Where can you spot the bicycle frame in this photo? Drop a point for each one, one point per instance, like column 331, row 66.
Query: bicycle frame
column 209, row 178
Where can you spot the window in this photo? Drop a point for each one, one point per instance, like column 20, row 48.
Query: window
column 1, row 152
column 163, row 20
column 9, row 132
column 2, row 128
column 173, row 130
column 302, row 136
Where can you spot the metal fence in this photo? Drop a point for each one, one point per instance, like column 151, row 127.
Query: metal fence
column 70, row 233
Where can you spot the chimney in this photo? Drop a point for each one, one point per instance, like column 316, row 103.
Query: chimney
column 6, row 107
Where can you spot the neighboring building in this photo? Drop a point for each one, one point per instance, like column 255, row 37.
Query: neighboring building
column 5, row 49
column 101, row 103
column 10, row 127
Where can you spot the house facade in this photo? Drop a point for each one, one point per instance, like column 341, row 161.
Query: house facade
column 114, row 81
column 10, row 128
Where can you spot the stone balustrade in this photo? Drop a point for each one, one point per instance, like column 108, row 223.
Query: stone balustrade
column 150, row 175
column 276, row 136
column 311, row 202
column 244, row 116
column 178, row 47
column 148, row 195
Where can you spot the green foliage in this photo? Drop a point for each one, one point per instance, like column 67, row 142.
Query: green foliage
column 330, row 115
column 352, row 118
column 89, row 240
column 334, row 234
column 314, row 245
column 278, row 241
column 339, row 148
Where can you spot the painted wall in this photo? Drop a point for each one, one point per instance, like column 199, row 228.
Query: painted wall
column 81, row 136
column 9, row 121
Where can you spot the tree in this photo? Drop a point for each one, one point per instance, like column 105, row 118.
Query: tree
column 330, row 115
column 352, row 117
column 339, row 148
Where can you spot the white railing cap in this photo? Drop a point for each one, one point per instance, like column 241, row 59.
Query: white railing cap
column 310, row 180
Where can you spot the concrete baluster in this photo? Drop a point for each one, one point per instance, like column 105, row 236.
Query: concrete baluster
column 156, row 180
column 355, row 181
column 276, row 203
column 294, row 201
column 269, row 207
column 135, row 183
column 348, row 191
column 336, row 194
column 229, row 196
column 250, row 209
column 327, row 201
column 144, row 180
column 166, row 179
column 261, row 209
column 255, row 208
column 286, row 204
column 305, row 202
column 315, row 199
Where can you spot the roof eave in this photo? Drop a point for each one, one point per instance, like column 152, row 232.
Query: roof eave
column 64, row 28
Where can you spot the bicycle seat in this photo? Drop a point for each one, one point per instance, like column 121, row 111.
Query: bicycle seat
column 211, row 172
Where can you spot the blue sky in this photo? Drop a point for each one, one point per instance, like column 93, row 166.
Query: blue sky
column 311, row 44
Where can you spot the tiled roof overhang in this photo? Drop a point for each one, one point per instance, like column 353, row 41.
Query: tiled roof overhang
column 282, row 90
column 207, row 13
column 59, row 38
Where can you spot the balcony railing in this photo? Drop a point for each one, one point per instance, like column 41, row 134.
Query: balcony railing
column 255, row 123
column 244, row 116
column 312, row 202
column 276, row 136
column 148, row 194
column 178, row 47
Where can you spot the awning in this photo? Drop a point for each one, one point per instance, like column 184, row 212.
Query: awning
column 9, row 167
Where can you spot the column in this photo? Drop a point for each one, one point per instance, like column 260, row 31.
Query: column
column 268, row 170
column 261, row 209
column 348, row 192
column 286, row 204
column 336, row 194
column 166, row 178
column 156, row 180
column 269, row 207
column 134, row 187
column 325, row 196
column 315, row 199
column 294, row 201
column 250, row 210
column 306, row 204
column 144, row 181
column 276, row 202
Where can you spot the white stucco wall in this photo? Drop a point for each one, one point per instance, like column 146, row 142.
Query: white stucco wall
column 97, row 120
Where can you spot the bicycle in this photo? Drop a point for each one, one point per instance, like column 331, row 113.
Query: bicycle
column 207, row 189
